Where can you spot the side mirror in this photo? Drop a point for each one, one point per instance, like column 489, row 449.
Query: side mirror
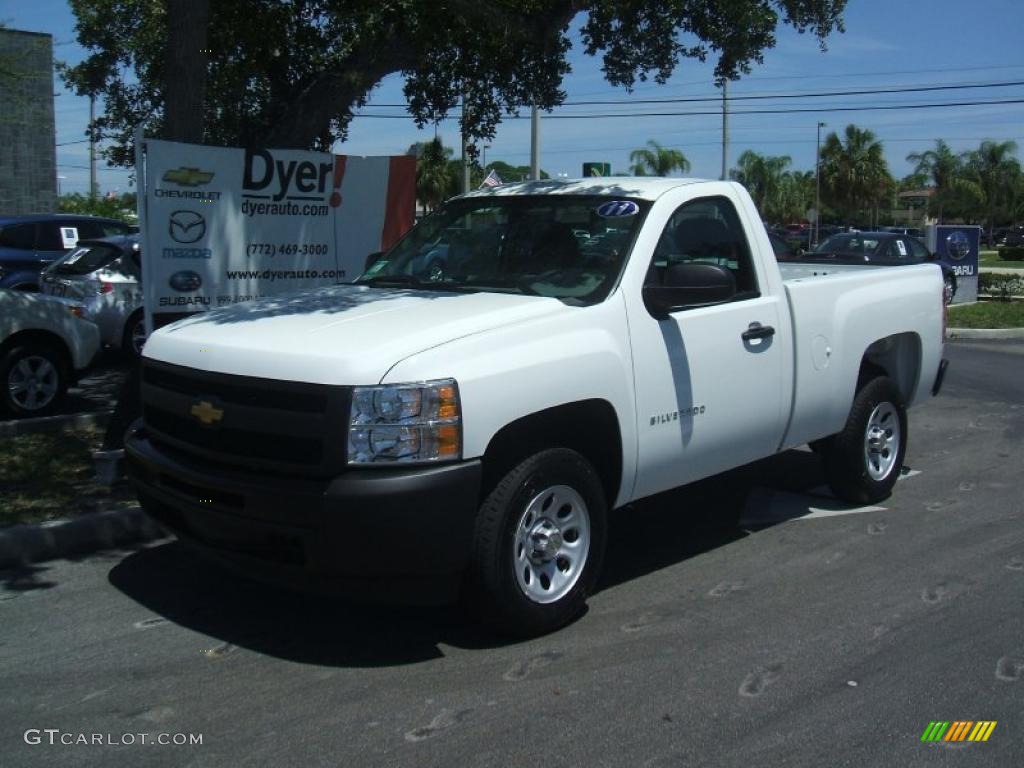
column 689, row 285
column 372, row 258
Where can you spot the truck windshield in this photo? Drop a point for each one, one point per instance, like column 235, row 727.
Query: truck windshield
column 571, row 248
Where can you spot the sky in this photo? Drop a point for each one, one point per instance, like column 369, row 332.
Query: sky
column 888, row 44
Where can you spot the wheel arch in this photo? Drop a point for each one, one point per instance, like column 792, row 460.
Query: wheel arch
column 589, row 427
column 37, row 336
column 898, row 357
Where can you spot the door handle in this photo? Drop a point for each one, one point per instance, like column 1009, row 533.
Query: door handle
column 757, row 331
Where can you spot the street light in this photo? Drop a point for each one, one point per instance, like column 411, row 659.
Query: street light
column 817, row 185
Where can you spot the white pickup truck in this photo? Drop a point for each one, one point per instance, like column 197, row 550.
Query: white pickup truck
column 528, row 358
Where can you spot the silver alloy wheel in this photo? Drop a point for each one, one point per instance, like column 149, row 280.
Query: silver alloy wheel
column 552, row 541
column 33, row 382
column 138, row 336
column 882, row 440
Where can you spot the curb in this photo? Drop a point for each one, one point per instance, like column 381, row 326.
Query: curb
column 985, row 333
column 68, row 422
column 21, row 545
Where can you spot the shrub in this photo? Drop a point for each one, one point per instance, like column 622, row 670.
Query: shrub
column 1001, row 287
column 1011, row 252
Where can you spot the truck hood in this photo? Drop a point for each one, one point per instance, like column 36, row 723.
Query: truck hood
column 347, row 334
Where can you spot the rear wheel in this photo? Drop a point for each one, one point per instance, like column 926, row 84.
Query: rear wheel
column 538, row 545
column 863, row 462
column 34, row 380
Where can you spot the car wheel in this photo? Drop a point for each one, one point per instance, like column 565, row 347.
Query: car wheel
column 34, row 380
column 863, row 462
column 134, row 335
column 538, row 544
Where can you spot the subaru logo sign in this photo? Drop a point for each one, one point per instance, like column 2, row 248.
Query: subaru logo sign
column 185, row 281
column 958, row 246
column 186, row 226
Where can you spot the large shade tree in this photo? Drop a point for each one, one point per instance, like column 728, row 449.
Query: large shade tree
column 855, row 177
column 292, row 73
column 656, row 160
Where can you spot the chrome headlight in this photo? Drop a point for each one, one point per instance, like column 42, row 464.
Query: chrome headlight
column 405, row 423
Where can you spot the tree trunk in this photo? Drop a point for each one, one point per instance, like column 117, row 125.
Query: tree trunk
column 186, row 62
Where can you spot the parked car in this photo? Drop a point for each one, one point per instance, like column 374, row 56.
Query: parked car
column 880, row 248
column 29, row 243
column 43, row 348
column 1011, row 237
column 103, row 278
column 783, row 250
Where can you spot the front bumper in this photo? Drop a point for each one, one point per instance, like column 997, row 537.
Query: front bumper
column 369, row 533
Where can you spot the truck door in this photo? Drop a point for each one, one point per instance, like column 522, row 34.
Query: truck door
column 709, row 384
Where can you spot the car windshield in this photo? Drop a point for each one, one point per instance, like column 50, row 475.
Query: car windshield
column 86, row 259
column 567, row 247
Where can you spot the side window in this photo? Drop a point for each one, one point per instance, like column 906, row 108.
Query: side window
column 110, row 229
column 89, row 230
column 917, row 249
column 54, row 235
column 709, row 231
column 19, row 236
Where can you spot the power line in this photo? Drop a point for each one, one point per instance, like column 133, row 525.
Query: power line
column 786, row 111
column 762, row 96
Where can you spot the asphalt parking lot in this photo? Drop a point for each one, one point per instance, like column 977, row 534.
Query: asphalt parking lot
column 810, row 634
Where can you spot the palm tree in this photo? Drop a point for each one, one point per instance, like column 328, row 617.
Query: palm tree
column 943, row 168
column 762, row 176
column 853, row 170
column 993, row 170
column 794, row 197
column 434, row 178
column 656, row 160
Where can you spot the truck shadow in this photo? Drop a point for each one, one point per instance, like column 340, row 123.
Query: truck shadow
column 182, row 588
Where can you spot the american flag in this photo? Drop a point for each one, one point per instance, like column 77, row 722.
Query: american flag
column 492, row 180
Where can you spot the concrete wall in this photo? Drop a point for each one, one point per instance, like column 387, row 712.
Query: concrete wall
column 28, row 159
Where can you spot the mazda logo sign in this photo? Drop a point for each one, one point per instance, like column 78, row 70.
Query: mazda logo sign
column 186, row 227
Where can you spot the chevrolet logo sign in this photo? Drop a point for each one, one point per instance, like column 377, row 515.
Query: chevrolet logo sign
column 206, row 412
column 188, row 177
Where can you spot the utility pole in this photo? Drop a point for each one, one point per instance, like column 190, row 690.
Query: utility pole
column 465, row 144
column 817, row 186
column 725, row 129
column 534, row 143
column 92, row 146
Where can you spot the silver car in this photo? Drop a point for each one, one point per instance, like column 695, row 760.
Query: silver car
column 102, row 281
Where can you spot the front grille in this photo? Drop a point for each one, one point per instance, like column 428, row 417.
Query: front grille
column 278, row 426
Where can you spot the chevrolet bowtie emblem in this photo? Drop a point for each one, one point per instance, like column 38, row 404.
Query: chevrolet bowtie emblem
column 188, row 177
column 206, row 412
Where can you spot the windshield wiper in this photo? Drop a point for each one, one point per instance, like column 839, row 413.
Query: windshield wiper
column 396, row 279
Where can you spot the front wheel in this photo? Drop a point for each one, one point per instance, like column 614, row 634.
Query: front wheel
column 863, row 462
column 538, row 544
column 134, row 337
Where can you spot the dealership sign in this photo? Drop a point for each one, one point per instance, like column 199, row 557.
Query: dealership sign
column 222, row 225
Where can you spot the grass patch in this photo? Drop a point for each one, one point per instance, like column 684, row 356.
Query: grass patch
column 991, row 259
column 50, row 476
column 987, row 314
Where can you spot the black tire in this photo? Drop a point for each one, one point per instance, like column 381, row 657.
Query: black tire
column 495, row 587
column 863, row 462
column 34, row 380
column 136, row 320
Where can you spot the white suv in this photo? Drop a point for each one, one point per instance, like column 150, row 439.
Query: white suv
column 43, row 348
